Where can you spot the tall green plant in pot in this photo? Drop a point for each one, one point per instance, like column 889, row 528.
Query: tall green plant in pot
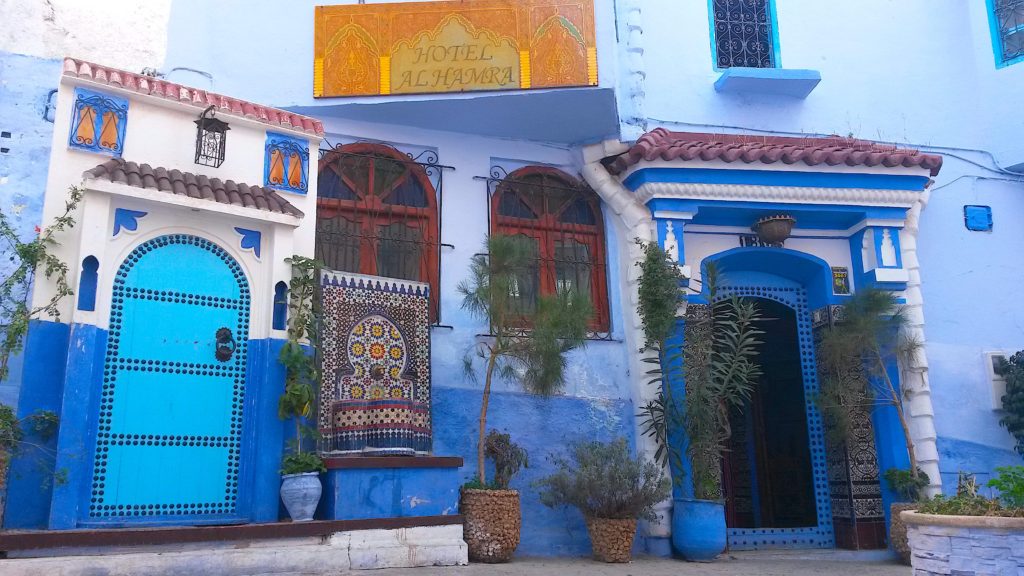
column 718, row 367
column 528, row 344
column 300, row 469
column 854, row 357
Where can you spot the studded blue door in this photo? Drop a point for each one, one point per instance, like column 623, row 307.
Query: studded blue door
column 169, row 430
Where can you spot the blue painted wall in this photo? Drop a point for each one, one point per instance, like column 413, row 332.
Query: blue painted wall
column 543, row 426
column 354, row 494
column 25, row 83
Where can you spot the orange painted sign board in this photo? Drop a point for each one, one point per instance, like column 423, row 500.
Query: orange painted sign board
column 456, row 46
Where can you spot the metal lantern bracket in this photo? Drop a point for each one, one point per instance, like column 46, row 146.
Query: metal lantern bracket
column 211, row 139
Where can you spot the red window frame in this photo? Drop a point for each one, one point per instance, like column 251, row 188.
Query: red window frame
column 371, row 213
column 546, row 229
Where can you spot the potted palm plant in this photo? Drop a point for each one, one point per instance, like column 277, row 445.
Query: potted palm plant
column 535, row 357
column 300, row 470
column 720, row 369
column 612, row 490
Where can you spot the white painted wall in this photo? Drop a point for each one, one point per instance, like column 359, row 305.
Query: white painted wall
column 123, row 33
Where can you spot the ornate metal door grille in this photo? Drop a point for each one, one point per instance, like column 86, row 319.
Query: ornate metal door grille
column 169, row 427
column 743, row 33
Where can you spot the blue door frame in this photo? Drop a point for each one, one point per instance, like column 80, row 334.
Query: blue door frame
column 167, row 426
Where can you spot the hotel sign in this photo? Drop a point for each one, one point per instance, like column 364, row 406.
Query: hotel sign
column 428, row 47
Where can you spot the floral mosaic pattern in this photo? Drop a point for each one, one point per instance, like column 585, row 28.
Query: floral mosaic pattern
column 376, row 345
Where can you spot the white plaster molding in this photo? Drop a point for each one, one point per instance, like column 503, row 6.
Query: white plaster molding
column 636, row 72
column 391, row 284
column 891, row 275
column 782, row 194
column 914, row 368
column 635, row 221
column 674, row 215
column 199, row 204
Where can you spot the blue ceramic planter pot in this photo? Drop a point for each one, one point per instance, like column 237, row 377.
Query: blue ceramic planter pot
column 698, row 529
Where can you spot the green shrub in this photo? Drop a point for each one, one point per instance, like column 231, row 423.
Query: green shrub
column 508, row 458
column 907, row 485
column 1013, row 400
column 605, row 481
column 301, row 462
column 1010, row 483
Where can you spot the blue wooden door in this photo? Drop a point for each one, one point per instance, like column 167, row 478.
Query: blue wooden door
column 169, row 428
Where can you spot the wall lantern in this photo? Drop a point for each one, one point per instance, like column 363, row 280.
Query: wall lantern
column 211, row 139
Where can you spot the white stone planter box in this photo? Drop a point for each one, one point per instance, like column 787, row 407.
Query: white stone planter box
column 969, row 545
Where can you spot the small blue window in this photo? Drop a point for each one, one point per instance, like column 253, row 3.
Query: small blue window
column 1006, row 19
column 978, row 218
column 286, row 164
column 98, row 122
column 87, row 284
column 280, row 320
column 744, row 34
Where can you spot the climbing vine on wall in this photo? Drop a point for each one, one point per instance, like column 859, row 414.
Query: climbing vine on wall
column 1013, row 400
column 28, row 259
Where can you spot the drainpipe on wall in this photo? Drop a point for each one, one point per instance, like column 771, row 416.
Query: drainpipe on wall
column 634, row 221
column 914, row 369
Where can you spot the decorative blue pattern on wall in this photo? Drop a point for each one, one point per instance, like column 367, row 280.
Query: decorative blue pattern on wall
column 170, row 399
column 286, row 163
column 126, row 219
column 98, row 122
column 250, row 240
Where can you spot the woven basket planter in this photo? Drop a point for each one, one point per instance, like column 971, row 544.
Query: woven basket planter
column 898, row 530
column 492, row 524
column 612, row 540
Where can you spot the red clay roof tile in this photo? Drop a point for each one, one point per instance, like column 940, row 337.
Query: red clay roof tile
column 199, row 98
column 192, row 185
column 662, row 144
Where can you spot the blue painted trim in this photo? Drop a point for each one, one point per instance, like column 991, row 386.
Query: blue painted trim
column 287, row 145
column 774, row 178
column 87, row 284
column 126, row 219
column 31, row 480
column 792, row 82
column 772, row 17
column 996, row 36
column 251, row 239
column 978, row 218
column 744, row 214
column 894, row 236
column 102, row 103
column 280, row 308
column 76, row 443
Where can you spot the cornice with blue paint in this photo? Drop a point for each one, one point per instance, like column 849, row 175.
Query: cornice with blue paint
column 808, row 216
column 774, row 178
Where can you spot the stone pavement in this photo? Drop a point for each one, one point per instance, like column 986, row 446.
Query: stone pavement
column 812, row 563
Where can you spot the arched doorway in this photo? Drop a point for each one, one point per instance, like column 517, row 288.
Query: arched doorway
column 768, row 474
column 168, row 430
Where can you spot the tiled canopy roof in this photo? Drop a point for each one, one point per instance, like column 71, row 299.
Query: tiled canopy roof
column 192, row 185
column 662, row 144
column 199, row 98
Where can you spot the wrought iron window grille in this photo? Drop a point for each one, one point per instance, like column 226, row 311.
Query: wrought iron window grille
column 1009, row 21
column 98, row 122
column 563, row 261
column 743, row 33
column 393, row 229
column 286, row 176
column 211, row 139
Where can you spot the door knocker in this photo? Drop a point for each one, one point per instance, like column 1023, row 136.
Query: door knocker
column 225, row 347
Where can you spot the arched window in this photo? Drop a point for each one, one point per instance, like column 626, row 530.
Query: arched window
column 561, row 217
column 377, row 215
